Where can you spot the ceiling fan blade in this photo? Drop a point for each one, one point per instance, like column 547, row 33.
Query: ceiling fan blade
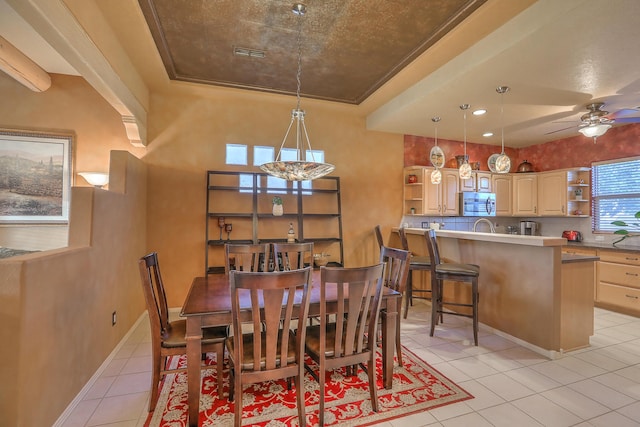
column 623, row 112
column 628, row 120
column 560, row 130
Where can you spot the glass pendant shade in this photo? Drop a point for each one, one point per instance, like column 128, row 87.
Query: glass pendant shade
column 297, row 170
column 465, row 170
column 436, row 176
column 436, row 155
column 503, row 162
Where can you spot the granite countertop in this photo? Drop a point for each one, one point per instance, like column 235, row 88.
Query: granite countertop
column 607, row 246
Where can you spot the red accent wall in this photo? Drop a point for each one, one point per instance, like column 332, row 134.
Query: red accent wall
column 619, row 142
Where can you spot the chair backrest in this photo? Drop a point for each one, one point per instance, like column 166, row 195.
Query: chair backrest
column 272, row 299
column 291, row 256
column 403, row 239
column 358, row 297
column 379, row 238
column 154, row 295
column 434, row 252
column 396, row 267
column 247, row 257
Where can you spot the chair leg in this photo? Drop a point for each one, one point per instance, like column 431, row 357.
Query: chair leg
column 157, row 365
column 398, row 345
column 219, row 367
column 372, row 382
column 321, row 379
column 475, row 297
column 408, row 294
column 302, row 418
column 237, row 422
column 435, row 304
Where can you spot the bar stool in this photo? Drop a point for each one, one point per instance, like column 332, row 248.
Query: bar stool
column 440, row 272
column 416, row 263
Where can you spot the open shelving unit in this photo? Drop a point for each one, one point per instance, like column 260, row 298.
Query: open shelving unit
column 244, row 199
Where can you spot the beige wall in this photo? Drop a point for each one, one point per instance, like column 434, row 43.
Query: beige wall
column 56, row 305
column 188, row 130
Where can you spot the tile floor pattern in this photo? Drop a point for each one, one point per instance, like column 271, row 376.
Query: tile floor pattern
column 512, row 386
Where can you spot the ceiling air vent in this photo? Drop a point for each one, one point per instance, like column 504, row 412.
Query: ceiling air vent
column 251, row 53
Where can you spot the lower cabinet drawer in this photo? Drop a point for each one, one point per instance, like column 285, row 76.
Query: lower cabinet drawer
column 621, row 296
column 621, row 274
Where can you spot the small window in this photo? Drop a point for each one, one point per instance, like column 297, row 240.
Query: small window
column 236, row 154
column 262, row 155
column 616, row 192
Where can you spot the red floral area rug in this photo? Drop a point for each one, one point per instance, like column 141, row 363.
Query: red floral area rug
column 417, row 387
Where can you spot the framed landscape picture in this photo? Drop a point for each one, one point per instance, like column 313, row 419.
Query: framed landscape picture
column 35, row 177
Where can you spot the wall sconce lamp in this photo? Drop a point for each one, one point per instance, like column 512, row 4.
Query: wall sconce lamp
column 97, row 179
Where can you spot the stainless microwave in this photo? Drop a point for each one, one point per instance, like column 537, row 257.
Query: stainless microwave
column 477, row 204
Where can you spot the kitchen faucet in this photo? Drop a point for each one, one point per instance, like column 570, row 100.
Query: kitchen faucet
column 479, row 220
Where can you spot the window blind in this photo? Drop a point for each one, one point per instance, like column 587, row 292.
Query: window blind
column 616, row 192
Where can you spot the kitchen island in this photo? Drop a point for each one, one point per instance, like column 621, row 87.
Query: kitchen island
column 529, row 291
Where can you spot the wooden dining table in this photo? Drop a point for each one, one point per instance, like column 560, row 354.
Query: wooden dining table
column 208, row 303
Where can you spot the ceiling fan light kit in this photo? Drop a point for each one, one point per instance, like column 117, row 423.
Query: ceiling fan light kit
column 297, row 170
column 595, row 123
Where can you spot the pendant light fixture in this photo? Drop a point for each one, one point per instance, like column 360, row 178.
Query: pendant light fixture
column 465, row 167
column 436, row 156
column 503, row 162
column 297, row 170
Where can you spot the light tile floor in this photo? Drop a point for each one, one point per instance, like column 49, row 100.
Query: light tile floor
column 511, row 385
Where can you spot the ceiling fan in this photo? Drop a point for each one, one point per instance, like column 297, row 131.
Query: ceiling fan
column 596, row 122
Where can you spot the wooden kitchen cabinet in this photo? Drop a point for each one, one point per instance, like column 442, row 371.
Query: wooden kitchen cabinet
column 413, row 194
column 552, row 193
column 564, row 192
column 442, row 199
column 480, row 182
column 525, row 194
column 501, row 185
column 618, row 285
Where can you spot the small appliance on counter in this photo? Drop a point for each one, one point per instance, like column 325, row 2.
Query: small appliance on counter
column 529, row 228
column 572, row 235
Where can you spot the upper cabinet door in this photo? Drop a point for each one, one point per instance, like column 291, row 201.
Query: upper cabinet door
column 501, row 185
column 552, row 193
column 525, row 194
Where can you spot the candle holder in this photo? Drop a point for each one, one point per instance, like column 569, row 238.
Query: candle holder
column 221, row 225
column 228, row 228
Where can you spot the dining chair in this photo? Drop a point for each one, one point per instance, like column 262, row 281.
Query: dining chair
column 276, row 351
column 246, row 257
column 452, row 273
column 378, row 234
column 168, row 336
column 343, row 342
column 417, row 263
column 291, row 256
column 396, row 271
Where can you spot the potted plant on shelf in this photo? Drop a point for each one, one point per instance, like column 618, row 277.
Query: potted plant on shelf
column 625, row 232
column 278, row 209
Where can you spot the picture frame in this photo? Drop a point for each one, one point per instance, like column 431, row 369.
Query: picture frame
column 35, row 176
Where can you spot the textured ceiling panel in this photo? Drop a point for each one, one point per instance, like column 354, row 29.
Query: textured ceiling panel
column 349, row 47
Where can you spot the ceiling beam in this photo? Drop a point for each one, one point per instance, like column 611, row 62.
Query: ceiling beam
column 21, row 68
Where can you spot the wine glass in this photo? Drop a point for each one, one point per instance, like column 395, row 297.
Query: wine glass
column 228, row 228
column 221, row 225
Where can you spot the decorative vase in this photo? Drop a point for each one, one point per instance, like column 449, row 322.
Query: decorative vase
column 278, row 210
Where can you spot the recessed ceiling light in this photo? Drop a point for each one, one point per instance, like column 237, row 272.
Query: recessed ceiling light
column 479, row 112
column 487, row 134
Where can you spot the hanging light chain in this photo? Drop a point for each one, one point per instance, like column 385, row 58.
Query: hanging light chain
column 299, row 9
